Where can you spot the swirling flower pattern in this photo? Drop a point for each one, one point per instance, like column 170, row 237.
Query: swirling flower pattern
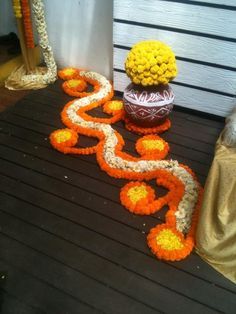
column 184, row 193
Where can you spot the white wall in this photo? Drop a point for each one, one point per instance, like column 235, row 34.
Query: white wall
column 80, row 32
column 7, row 18
column 203, row 36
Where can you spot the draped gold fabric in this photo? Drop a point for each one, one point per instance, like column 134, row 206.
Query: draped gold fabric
column 216, row 233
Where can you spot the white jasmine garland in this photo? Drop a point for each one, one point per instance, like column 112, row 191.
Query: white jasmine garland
column 51, row 72
column 187, row 204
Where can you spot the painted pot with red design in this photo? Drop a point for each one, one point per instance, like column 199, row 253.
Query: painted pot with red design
column 148, row 106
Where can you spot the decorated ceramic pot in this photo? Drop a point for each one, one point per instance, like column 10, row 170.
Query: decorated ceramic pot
column 148, row 106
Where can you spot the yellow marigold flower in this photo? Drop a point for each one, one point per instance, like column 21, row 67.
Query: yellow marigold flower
column 62, row 136
column 163, row 67
column 136, row 193
column 116, row 105
column 168, row 240
column 140, row 68
column 160, row 71
column 153, row 144
column 144, row 82
column 69, row 71
column 151, row 63
column 136, row 80
column 74, row 83
column 154, row 69
column 17, row 9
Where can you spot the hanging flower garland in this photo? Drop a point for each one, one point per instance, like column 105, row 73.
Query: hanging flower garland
column 172, row 240
column 17, row 9
column 51, row 73
column 28, row 76
column 29, row 36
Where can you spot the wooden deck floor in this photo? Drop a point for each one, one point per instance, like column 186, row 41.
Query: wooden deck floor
column 66, row 243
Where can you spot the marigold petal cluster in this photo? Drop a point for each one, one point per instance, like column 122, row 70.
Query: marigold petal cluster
column 136, row 197
column 74, row 85
column 68, row 73
column 168, row 243
column 17, row 8
column 29, row 36
column 150, row 63
column 113, row 106
column 152, row 147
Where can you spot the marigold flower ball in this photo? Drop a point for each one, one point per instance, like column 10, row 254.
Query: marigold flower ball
column 151, row 63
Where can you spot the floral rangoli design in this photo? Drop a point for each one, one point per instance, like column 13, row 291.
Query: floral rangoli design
column 172, row 240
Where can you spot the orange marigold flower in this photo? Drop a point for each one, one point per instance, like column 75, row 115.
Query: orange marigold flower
column 29, row 37
column 113, row 107
column 140, row 130
column 68, row 73
column 63, row 138
column 76, row 85
column 76, row 93
column 168, row 243
column 136, row 196
column 152, row 147
column 117, row 115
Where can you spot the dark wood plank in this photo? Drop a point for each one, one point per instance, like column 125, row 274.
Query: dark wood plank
column 202, row 133
column 49, row 108
column 47, row 153
column 11, row 305
column 60, row 155
column 135, row 286
column 180, row 125
column 29, row 139
column 54, row 92
column 64, row 212
column 197, row 159
column 47, row 119
column 80, row 286
column 206, row 125
column 42, row 220
column 209, row 123
column 85, row 180
column 52, row 203
column 9, row 97
column 32, row 291
column 39, row 136
column 55, row 89
column 85, row 170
